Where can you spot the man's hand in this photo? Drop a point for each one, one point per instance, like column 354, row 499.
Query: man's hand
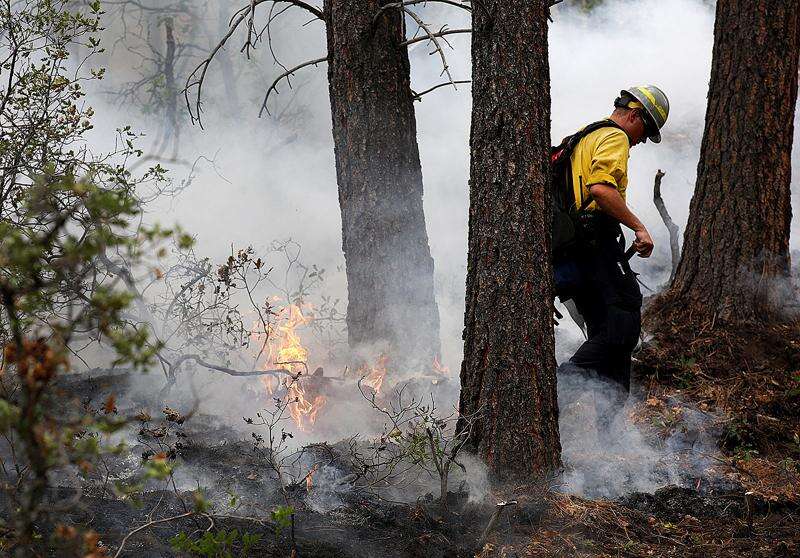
column 643, row 243
column 609, row 200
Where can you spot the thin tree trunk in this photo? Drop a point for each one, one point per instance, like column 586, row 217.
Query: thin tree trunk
column 232, row 105
column 171, row 129
column 391, row 304
column 508, row 373
column 735, row 262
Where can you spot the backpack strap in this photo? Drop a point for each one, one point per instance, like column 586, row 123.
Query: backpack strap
column 573, row 140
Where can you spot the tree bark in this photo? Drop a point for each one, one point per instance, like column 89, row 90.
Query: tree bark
column 508, row 372
column 735, row 263
column 391, row 306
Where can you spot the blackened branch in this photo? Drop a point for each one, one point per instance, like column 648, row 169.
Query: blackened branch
column 175, row 365
column 230, row 371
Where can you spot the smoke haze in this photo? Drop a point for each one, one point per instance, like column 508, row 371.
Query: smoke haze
column 274, row 177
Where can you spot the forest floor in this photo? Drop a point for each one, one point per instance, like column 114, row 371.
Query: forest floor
column 749, row 378
column 748, row 505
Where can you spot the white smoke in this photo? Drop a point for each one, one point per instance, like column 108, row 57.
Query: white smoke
column 607, row 454
column 274, row 177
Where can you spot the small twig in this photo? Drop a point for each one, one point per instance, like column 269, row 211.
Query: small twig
column 674, row 246
column 418, row 96
column 439, row 34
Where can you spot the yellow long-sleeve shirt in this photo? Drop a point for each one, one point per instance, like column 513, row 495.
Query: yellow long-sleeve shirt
column 600, row 158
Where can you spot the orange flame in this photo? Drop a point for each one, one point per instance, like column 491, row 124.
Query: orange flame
column 439, row 367
column 285, row 351
column 303, row 411
column 373, row 377
column 309, row 477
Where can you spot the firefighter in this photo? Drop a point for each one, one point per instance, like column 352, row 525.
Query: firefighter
column 609, row 298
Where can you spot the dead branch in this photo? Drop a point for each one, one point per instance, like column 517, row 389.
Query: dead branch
column 286, row 75
column 435, row 40
column 230, row 371
column 197, row 76
column 175, row 365
column 674, row 246
column 418, row 96
column 150, row 524
column 439, row 34
column 406, row 3
column 316, row 12
column 202, row 70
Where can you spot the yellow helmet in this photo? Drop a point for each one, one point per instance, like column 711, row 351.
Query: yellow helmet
column 655, row 104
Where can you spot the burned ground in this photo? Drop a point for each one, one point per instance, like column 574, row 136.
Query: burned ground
column 746, row 502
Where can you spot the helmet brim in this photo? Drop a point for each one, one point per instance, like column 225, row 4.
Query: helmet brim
column 655, row 138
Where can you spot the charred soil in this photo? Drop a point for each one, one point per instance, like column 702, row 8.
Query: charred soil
column 748, row 506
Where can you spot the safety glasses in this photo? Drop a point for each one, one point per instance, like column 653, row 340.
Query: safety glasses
column 650, row 128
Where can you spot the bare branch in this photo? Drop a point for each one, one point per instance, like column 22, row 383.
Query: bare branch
column 150, row 524
column 437, row 45
column 286, row 75
column 406, row 3
column 418, row 96
column 197, row 76
column 674, row 246
column 175, row 365
column 439, row 34
column 316, row 12
column 202, row 70
column 230, row 371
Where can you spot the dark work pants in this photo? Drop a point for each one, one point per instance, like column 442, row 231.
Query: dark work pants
column 610, row 302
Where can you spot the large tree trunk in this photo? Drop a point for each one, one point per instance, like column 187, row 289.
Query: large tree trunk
column 736, row 248
column 391, row 304
column 508, row 373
